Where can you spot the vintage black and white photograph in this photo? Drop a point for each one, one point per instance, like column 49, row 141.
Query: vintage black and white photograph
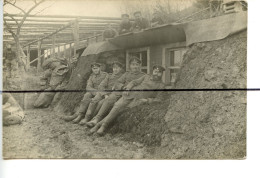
column 124, row 79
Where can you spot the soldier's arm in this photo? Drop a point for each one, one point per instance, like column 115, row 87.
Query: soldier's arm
column 120, row 82
column 90, row 85
column 135, row 82
column 147, row 24
column 103, row 86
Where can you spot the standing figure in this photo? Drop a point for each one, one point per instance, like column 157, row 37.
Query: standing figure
column 93, row 82
column 10, row 61
column 121, row 83
column 106, row 84
column 125, row 26
column 148, row 82
column 140, row 23
column 109, row 32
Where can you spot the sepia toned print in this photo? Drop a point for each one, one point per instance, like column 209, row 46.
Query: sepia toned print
column 158, row 79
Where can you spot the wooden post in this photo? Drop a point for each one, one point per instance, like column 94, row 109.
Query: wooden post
column 64, row 51
column 39, row 54
column 70, row 52
column 76, row 35
column 58, row 50
column 53, row 45
column 28, row 58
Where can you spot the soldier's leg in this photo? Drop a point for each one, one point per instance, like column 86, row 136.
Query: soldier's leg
column 105, row 108
column 83, row 107
column 118, row 107
column 91, row 109
column 99, row 104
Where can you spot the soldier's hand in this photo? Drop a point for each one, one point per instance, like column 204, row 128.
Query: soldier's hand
column 106, row 96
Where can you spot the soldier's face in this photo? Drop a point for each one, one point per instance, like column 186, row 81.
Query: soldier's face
column 96, row 70
column 116, row 69
column 125, row 19
column 138, row 16
column 134, row 66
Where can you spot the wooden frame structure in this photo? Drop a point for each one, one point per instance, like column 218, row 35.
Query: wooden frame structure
column 53, row 33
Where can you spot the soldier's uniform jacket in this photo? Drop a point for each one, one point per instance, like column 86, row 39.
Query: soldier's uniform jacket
column 127, row 27
column 141, row 24
column 127, row 78
column 109, row 82
column 145, row 83
column 95, row 80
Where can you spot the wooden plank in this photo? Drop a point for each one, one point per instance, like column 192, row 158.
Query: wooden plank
column 39, row 58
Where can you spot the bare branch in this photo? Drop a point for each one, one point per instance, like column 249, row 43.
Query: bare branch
column 44, row 9
column 13, row 4
column 26, row 14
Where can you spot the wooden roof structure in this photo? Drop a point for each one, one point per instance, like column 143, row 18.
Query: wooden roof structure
column 56, row 35
column 60, row 27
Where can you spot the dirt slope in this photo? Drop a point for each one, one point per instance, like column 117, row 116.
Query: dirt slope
column 202, row 124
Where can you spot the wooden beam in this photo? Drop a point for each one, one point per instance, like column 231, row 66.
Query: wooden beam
column 60, row 29
column 66, row 16
column 64, row 20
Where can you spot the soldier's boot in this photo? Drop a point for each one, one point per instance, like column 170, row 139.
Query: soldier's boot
column 78, row 118
column 96, row 127
column 108, row 120
column 85, row 120
column 69, row 118
column 106, row 106
column 88, row 115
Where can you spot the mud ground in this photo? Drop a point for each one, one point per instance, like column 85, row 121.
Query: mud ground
column 44, row 135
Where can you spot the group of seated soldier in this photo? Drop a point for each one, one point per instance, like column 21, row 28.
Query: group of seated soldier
column 107, row 95
column 140, row 23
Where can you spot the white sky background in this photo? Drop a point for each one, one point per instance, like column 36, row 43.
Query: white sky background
column 100, row 8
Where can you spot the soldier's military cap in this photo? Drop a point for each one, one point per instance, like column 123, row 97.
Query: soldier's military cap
column 160, row 68
column 124, row 15
column 95, row 64
column 117, row 63
column 137, row 12
column 135, row 59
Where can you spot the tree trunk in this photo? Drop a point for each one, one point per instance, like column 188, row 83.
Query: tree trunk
column 19, row 52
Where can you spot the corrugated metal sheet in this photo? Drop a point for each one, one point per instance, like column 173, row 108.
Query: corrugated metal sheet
column 215, row 28
column 153, row 36
column 99, row 47
column 192, row 32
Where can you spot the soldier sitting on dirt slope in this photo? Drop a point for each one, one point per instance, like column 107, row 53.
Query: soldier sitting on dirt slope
column 129, row 99
column 93, row 82
column 121, row 83
column 106, row 84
